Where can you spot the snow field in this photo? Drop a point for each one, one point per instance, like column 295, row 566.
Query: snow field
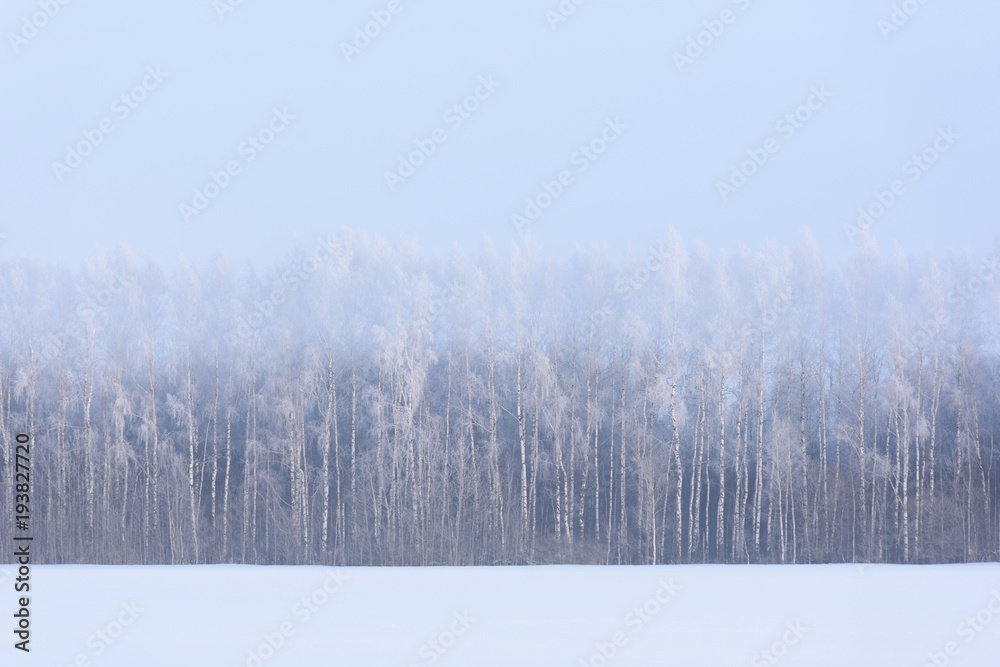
column 578, row 616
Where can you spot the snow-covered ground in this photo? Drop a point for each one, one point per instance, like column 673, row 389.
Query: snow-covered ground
column 230, row 616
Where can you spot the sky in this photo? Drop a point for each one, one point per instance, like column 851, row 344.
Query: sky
column 195, row 126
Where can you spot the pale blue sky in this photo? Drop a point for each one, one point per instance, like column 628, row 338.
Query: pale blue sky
column 679, row 133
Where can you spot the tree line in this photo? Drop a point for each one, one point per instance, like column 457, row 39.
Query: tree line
column 361, row 403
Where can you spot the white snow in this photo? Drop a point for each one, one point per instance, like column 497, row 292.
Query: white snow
column 554, row 615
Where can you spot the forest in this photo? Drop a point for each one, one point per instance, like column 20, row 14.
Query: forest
column 366, row 403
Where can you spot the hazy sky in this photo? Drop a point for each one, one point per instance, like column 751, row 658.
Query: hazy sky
column 184, row 85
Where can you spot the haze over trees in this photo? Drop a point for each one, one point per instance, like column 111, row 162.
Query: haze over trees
column 362, row 403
